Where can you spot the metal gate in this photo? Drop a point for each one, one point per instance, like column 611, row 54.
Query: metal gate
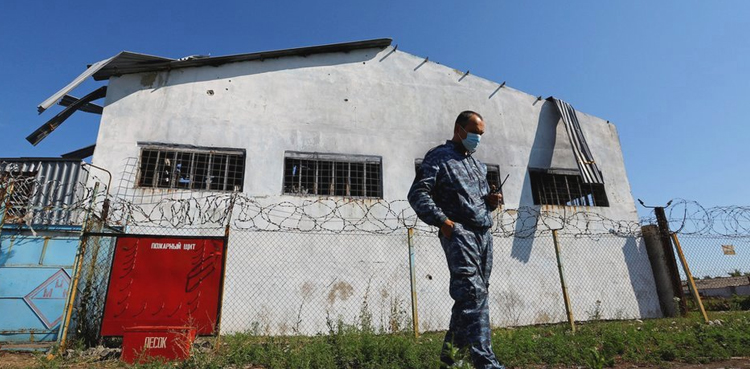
column 35, row 272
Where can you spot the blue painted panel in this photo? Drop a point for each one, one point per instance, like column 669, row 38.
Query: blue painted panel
column 18, row 282
column 4, row 250
column 61, row 251
column 26, row 320
column 22, row 318
column 22, row 250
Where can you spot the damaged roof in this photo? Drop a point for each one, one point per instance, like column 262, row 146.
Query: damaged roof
column 127, row 62
column 121, row 66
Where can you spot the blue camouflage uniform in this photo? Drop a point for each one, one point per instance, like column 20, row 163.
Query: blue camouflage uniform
column 451, row 184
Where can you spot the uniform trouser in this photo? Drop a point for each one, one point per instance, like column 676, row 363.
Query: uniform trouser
column 469, row 255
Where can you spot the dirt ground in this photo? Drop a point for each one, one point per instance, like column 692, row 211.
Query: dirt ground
column 16, row 360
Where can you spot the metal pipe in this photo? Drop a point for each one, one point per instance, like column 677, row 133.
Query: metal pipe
column 568, row 309
column 691, row 282
column 109, row 182
column 78, row 265
column 224, row 263
column 413, row 274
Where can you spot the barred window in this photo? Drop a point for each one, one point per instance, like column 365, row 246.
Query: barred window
column 191, row 168
column 317, row 174
column 565, row 187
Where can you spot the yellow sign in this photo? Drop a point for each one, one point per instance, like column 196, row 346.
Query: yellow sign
column 728, row 249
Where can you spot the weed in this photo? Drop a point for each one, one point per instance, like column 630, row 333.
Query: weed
column 597, row 360
column 459, row 358
column 652, row 342
column 596, row 312
column 399, row 320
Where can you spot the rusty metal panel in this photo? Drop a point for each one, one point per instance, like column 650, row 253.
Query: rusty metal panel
column 40, row 133
column 48, row 188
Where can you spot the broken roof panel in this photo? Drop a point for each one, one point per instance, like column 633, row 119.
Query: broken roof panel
column 81, row 153
column 68, row 100
column 52, row 124
column 123, row 58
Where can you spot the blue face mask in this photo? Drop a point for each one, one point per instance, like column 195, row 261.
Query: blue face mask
column 471, row 141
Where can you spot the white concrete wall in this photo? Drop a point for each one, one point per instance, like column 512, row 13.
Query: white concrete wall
column 370, row 102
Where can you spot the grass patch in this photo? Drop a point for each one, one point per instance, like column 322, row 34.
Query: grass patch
column 595, row 345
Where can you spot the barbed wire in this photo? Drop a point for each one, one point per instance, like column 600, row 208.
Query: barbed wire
column 36, row 201
column 689, row 217
column 185, row 209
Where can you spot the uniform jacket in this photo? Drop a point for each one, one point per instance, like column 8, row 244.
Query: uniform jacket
column 451, row 184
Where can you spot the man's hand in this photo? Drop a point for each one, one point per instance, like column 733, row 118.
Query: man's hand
column 494, row 199
column 447, row 228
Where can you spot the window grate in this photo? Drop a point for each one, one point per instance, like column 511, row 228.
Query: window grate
column 194, row 169
column 332, row 175
column 565, row 189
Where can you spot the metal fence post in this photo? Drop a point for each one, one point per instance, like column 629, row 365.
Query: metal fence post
column 224, row 263
column 689, row 276
column 413, row 274
column 568, row 309
column 77, row 266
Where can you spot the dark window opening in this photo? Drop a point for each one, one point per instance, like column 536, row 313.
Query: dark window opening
column 191, row 169
column 565, row 189
column 332, row 175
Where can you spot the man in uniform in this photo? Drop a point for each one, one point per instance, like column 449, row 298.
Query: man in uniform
column 451, row 192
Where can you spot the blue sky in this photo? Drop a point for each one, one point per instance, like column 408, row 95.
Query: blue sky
column 673, row 76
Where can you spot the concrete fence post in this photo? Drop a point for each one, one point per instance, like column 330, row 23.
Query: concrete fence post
column 666, row 243
column 661, row 270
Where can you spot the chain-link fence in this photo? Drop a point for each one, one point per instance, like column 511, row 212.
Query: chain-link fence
column 720, row 266
column 301, row 283
column 304, row 266
column 95, row 254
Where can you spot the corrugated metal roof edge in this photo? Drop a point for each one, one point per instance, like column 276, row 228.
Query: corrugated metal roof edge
column 23, row 159
column 107, row 72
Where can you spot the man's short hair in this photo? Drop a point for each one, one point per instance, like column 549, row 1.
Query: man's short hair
column 464, row 117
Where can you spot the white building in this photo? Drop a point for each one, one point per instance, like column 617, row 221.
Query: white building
column 348, row 122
